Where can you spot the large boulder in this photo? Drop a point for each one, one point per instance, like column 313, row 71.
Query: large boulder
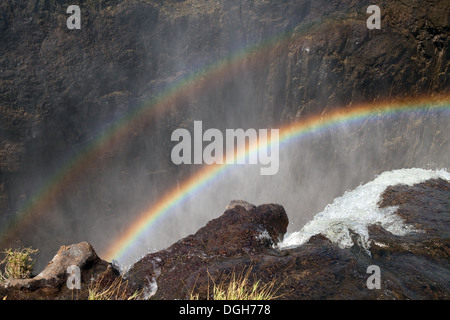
column 244, row 238
column 55, row 281
column 243, row 230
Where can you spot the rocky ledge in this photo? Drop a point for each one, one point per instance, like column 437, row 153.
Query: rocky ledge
column 53, row 281
column 245, row 237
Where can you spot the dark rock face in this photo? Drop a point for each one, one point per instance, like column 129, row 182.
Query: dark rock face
column 422, row 258
column 51, row 283
column 415, row 266
column 59, row 88
column 241, row 239
column 238, row 232
column 57, row 80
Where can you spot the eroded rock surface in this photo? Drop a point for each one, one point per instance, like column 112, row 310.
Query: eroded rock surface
column 237, row 233
column 52, row 282
column 244, row 238
column 414, row 266
column 60, row 89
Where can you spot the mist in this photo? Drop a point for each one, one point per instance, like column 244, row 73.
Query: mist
column 135, row 51
column 313, row 171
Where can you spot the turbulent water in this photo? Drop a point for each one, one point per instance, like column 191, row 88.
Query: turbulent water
column 230, row 64
column 352, row 213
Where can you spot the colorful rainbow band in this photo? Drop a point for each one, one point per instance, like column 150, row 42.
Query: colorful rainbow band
column 310, row 125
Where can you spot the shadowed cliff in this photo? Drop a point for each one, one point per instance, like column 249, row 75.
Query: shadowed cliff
column 61, row 89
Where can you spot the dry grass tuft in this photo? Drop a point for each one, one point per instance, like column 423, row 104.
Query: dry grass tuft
column 115, row 290
column 18, row 263
column 241, row 287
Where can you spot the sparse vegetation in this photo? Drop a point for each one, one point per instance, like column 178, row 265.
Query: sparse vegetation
column 18, row 263
column 115, row 290
column 241, row 287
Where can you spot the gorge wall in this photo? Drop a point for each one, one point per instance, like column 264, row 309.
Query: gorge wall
column 60, row 89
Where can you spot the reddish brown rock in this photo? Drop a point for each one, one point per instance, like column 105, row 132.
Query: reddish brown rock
column 414, row 266
column 237, row 233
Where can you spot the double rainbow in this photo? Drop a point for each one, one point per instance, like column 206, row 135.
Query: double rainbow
column 65, row 176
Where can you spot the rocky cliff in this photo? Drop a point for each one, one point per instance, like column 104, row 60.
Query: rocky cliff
column 57, row 85
column 61, row 89
column 245, row 237
column 412, row 267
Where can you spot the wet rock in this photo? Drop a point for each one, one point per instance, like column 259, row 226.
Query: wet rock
column 414, row 266
column 60, row 88
column 418, row 262
column 237, row 233
column 243, row 239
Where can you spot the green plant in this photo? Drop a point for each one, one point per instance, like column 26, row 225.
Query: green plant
column 18, row 263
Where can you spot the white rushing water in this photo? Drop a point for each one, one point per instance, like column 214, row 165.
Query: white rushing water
column 357, row 209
